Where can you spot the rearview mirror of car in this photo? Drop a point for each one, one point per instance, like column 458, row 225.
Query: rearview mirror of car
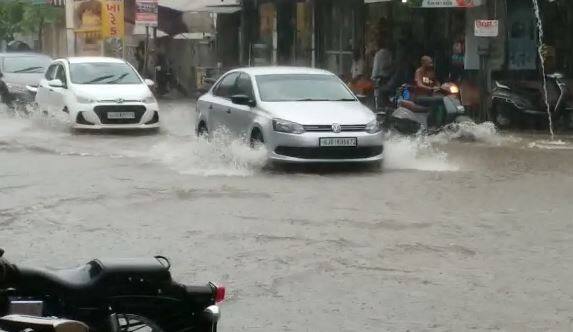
column 149, row 82
column 243, row 100
column 56, row 84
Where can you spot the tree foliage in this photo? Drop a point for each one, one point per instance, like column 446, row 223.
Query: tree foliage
column 25, row 16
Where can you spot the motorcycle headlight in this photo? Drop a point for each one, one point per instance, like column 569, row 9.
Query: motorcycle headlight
column 84, row 100
column 150, row 100
column 454, row 89
column 285, row 126
column 373, row 127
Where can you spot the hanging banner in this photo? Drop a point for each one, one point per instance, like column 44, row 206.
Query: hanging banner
column 113, row 28
column 87, row 26
column 446, row 3
column 113, row 20
column 486, row 28
column 146, row 12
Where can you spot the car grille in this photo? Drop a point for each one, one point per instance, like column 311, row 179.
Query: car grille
column 102, row 111
column 338, row 152
column 328, row 128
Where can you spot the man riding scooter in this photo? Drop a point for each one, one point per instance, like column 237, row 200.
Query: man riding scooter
column 432, row 105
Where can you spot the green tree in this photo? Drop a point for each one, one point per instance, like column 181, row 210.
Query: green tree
column 11, row 15
column 26, row 16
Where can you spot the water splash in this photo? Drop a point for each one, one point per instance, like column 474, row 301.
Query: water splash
column 540, row 52
column 415, row 153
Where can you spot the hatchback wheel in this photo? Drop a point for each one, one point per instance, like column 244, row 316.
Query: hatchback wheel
column 257, row 139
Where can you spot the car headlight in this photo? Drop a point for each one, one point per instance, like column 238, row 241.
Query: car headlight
column 150, row 100
column 84, row 100
column 373, row 127
column 285, row 126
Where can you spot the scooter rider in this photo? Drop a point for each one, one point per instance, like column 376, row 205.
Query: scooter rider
column 426, row 82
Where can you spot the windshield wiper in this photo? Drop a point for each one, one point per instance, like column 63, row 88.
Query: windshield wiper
column 28, row 69
column 97, row 79
column 344, row 99
column 311, row 99
column 117, row 80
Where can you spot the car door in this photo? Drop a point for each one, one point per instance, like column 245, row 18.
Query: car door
column 43, row 95
column 221, row 103
column 58, row 94
column 240, row 117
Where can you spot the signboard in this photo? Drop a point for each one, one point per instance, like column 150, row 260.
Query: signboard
column 112, row 19
column 146, row 12
column 445, row 3
column 486, row 28
column 113, row 28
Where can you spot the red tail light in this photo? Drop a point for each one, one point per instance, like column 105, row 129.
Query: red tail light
column 219, row 293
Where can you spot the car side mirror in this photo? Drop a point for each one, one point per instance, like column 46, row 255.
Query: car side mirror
column 243, row 100
column 149, row 82
column 56, row 83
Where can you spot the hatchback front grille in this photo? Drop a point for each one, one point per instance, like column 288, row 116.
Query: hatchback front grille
column 328, row 128
column 338, row 152
column 102, row 111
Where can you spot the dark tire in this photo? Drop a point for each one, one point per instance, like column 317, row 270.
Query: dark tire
column 498, row 115
column 202, row 130
column 257, row 139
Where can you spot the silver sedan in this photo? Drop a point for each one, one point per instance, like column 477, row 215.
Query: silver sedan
column 299, row 114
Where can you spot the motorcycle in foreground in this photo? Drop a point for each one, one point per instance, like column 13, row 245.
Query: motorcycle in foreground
column 523, row 103
column 412, row 115
column 111, row 295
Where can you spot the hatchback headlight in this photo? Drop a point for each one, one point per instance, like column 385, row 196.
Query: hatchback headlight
column 149, row 100
column 84, row 100
column 373, row 127
column 285, row 126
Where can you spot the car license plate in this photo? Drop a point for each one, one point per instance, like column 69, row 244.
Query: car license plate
column 337, row 141
column 120, row 115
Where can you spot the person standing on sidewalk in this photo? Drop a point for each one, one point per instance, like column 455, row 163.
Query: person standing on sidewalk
column 381, row 71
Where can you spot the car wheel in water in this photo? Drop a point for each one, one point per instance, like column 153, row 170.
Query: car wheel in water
column 202, row 130
column 257, row 139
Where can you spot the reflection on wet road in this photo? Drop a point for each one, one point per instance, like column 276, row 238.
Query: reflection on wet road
column 451, row 235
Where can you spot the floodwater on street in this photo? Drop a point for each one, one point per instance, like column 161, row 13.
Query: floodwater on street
column 451, row 235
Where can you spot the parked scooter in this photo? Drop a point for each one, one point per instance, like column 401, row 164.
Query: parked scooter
column 433, row 114
column 111, row 295
column 519, row 103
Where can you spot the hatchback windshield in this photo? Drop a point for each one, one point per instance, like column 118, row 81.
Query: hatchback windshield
column 103, row 73
column 302, row 87
column 26, row 64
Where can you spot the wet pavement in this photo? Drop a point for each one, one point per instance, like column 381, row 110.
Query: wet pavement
column 450, row 236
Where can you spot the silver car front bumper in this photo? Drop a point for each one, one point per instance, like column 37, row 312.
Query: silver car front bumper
column 305, row 148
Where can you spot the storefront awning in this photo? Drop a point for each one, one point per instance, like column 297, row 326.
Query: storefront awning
column 437, row 3
column 203, row 6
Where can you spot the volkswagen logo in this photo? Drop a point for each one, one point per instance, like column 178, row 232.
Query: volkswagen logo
column 119, row 101
column 336, row 128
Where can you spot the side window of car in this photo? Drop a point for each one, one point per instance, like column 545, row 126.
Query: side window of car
column 51, row 72
column 245, row 86
column 61, row 74
column 226, row 87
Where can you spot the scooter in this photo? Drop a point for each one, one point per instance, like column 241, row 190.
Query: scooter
column 413, row 115
column 523, row 103
column 111, row 295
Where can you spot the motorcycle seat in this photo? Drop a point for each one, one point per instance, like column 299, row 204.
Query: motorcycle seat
column 96, row 275
column 412, row 106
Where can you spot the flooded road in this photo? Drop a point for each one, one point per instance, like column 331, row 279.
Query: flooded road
column 450, row 236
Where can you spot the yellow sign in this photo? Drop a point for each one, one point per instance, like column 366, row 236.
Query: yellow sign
column 112, row 19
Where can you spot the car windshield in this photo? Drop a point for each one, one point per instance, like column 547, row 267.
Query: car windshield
column 26, row 64
column 103, row 73
column 302, row 87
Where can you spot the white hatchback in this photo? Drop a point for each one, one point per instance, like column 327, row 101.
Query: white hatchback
column 98, row 93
